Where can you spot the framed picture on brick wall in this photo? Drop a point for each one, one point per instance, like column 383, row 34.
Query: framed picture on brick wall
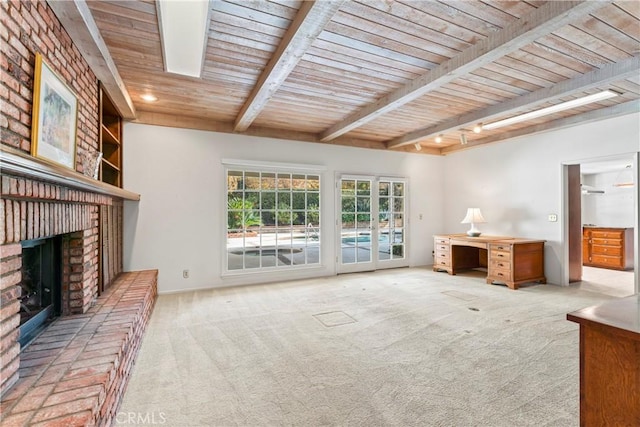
column 55, row 112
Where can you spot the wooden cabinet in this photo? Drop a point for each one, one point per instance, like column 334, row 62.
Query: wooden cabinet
column 512, row 261
column 607, row 247
column 442, row 255
column 516, row 262
column 610, row 362
column 110, row 141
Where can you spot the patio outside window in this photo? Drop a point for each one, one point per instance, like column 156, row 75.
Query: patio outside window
column 273, row 220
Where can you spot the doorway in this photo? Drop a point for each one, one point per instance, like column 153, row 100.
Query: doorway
column 604, row 204
column 372, row 228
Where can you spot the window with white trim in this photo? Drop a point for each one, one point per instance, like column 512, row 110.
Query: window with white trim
column 273, row 219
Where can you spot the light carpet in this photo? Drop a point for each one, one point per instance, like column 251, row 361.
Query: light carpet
column 402, row 347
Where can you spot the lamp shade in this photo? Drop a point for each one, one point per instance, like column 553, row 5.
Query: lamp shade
column 473, row 216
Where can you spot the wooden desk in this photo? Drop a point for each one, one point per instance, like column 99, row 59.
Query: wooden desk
column 509, row 260
column 610, row 362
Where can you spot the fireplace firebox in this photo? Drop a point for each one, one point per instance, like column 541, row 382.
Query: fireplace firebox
column 40, row 300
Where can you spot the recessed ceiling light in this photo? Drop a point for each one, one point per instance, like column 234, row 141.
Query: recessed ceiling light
column 477, row 128
column 148, row 97
column 552, row 109
column 439, row 139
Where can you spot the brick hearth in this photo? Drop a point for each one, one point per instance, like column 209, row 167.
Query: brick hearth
column 75, row 372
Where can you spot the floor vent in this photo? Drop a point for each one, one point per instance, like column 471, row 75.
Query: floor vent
column 334, row 318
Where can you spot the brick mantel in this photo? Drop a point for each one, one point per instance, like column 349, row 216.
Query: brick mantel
column 15, row 162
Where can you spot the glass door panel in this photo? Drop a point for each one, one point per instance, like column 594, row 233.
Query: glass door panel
column 391, row 222
column 355, row 224
column 371, row 223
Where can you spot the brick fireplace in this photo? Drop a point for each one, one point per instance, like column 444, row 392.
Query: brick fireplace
column 97, row 323
column 35, row 210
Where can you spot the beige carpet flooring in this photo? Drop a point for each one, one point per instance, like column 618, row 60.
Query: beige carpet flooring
column 403, row 347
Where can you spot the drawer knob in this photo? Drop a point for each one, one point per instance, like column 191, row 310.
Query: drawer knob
column 500, row 264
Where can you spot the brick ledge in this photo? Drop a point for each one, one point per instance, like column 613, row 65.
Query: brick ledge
column 76, row 371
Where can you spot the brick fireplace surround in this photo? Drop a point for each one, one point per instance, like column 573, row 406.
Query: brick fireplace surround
column 75, row 372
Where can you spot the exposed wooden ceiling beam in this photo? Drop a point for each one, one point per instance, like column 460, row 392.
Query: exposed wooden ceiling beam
column 542, row 21
column 309, row 22
column 579, row 119
column 77, row 20
column 602, row 76
column 172, row 120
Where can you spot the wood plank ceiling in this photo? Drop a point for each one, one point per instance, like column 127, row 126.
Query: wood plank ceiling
column 383, row 74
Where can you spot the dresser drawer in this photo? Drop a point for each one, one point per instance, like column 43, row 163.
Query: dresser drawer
column 606, row 250
column 607, row 241
column 607, row 234
column 607, row 261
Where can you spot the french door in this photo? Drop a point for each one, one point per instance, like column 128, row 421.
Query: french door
column 371, row 223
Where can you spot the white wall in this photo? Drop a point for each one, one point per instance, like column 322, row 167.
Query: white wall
column 178, row 223
column 518, row 183
column 613, row 208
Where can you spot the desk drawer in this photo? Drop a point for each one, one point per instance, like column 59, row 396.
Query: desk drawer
column 442, row 248
column 443, row 256
column 501, row 264
column 499, row 255
column 501, row 247
column 441, row 241
column 500, row 274
column 442, row 263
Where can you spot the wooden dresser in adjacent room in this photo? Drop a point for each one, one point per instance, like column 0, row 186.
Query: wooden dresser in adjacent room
column 607, row 247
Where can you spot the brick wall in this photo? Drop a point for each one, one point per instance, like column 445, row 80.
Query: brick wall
column 28, row 27
column 32, row 209
column 10, row 264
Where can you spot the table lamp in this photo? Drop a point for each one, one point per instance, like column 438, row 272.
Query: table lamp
column 473, row 217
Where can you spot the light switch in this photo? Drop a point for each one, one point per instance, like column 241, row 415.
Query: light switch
column 553, row 217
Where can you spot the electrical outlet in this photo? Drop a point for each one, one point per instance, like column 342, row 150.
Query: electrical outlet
column 185, row 274
column 553, row 217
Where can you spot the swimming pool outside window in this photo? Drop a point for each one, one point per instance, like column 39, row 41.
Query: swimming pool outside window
column 273, row 219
